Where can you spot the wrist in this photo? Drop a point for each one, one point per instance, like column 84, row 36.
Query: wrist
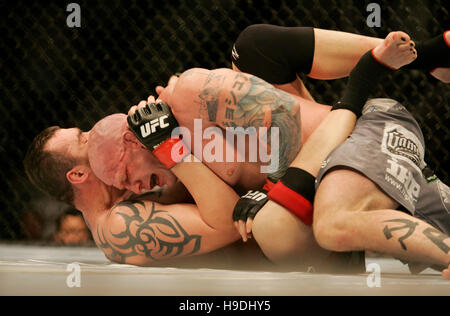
column 171, row 152
column 295, row 192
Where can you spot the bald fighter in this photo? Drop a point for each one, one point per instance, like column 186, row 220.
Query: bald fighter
column 153, row 230
column 84, row 194
column 119, row 159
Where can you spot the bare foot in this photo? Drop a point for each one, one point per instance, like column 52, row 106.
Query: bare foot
column 396, row 51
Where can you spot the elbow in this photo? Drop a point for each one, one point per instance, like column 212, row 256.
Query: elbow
column 139, row 261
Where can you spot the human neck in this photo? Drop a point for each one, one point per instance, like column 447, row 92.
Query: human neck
column 94, row 198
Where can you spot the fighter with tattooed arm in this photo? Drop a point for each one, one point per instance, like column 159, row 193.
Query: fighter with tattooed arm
column 215, row 96
column 57, row 162
column 243, row 176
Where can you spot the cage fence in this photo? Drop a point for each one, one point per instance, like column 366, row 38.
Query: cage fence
column 56, row 75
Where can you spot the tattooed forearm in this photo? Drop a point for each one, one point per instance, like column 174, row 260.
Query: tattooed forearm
column 407, row 225
column 437, row 238
column 434, row 235
column 159, row 236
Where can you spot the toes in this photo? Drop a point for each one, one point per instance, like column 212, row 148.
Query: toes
column 408, row 50
column 402, row 37
column 404, row 47
column 398, row 38
column 390, row 38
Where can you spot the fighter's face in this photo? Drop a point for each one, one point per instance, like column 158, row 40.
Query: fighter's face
column 119, row 160
column 138, row 170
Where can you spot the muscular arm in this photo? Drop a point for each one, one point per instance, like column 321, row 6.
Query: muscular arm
column 213, row 197
column 142, row 232
column 226, row 98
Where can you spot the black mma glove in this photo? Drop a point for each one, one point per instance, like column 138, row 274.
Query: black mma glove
column 249, row 205
column 153, row 125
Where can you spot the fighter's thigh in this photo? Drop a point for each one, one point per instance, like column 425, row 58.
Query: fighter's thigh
column 345, row 190
column 280, row 234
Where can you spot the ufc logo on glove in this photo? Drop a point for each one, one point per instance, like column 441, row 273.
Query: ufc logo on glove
column 255, row 195
column 149, row 128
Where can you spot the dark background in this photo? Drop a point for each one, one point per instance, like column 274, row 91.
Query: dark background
column 54, row 75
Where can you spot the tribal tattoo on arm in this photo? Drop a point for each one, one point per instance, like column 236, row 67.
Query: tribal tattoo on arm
column 142, row 231
column 252, row 102
column 432, row 234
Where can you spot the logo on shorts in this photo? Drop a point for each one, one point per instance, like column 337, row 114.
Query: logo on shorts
column 403, row 180
column 400, row 143
column 381, row 105
column 324, row 163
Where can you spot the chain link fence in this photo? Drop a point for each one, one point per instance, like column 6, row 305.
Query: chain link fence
column 56, row 75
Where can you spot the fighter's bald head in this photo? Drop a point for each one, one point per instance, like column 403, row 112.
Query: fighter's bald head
column 118, row 158
column 106, row 145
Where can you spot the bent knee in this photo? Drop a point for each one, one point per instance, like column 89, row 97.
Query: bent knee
column 341, row 196
column 332, row 225
column 333, row 234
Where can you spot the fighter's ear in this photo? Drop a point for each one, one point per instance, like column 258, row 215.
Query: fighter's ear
column 78, row 174
column 129, row 139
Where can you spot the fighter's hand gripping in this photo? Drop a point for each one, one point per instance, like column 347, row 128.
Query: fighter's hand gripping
column 153, row 125
column 246, row 209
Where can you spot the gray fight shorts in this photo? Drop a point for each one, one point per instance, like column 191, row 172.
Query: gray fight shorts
column 387, row 146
